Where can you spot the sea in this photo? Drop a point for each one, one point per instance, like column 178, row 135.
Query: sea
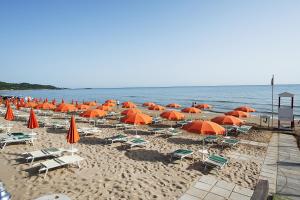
column 222, row 98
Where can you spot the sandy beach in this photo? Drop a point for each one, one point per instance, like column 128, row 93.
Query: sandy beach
column 115, row 172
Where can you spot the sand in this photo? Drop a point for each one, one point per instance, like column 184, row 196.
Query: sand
column 114, row 172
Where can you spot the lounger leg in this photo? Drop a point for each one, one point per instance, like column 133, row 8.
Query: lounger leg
column 31, row 161
column 45, row 173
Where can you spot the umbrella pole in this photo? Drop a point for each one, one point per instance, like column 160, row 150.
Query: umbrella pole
column 72, row 149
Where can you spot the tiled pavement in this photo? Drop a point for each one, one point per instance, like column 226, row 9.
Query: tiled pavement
column 288, row 176
column 269, row 167
column 210, row 188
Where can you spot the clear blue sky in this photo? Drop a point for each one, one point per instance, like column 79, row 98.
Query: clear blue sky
column 85, row 43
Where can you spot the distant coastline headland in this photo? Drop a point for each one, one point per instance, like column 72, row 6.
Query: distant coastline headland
column 26, row 86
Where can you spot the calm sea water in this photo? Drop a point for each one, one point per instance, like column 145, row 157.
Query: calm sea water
column 223, row 98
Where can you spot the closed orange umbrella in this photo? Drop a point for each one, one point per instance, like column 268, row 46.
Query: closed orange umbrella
column 65, row 108
column 245, row 109
column 147, row 104
column 173, row 105
column 137, row 118
column 131, row 111
column 191, row 110
column 156, row 107
column 72, row 135
column 82, row 107
column 45, row 106
column 203, row 106
column 9, row 115
column 105, row 108
column 93, row 113
column 32, row 121
column 237, row 113
column 54, row 102
column 204, row 127
column 172, row 115
column 227, row 120
column 128, row 104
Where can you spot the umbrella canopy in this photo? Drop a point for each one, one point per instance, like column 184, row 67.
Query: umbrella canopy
column 137, row 118
column 65, row 108
column 148, row 104
column 110, row 104
column 173, row 105
column 245, row 109
column 91, row 103
column 191, row 110
column 156, row 107
column 31, row 104
column 131, row 111
column 82, row 107
column 128, row 104
column 237, row 113
column 32, row 121
column 203, row 106
column 172, row 115
column 110, row 101
column 93, row 113
column 227, row 120
column 105, row 108
column 9, row 115
column 45, row 106
column 72, row 135
column 204, row 127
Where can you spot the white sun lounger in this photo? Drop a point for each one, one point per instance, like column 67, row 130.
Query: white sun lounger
column 43, row 153
column 137, row 142
column 88, row 130
column 59, row 162
column 16, row 139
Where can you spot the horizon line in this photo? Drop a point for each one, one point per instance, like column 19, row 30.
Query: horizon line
column 177, row 86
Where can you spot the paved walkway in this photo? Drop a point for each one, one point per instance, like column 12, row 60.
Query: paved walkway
column 210, row 188
column 281, row 167
column 288, row 176
column 269, row 167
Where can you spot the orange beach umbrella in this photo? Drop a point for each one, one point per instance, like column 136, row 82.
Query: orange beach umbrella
column 72, row 135
column 237, row 113
column 173, row 105
column 45, row 106
column 9, row 115
column 245, row 109
column 128, row 104
column 137, row 119
column 131, row 111
column 65, row 108
column 91, row 103
column 191, row 110
column 82, row 107
column 32, row 121
column 204, row 127
column 227, row 120
column 110, row 104
column 172, row 115
column 147, row 104
column 156, row 107
column 110, row 101
column 93, row 113
column 103, row 107
column 203, row 106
